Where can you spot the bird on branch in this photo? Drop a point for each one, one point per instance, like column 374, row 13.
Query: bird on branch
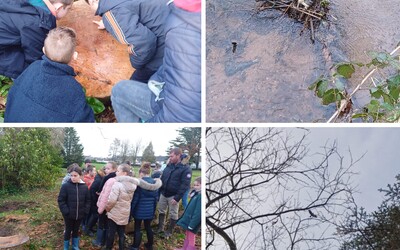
column 312, row 214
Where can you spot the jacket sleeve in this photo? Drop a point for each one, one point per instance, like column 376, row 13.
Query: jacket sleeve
column 105, row 193
column 195, row 220
column 149, row 186
column 113, row 197
column 62, row 200
column 135, row 200
column 126, row 28
column 181, row 73
column 87, row 202
column 186, row 177
column 32, row 42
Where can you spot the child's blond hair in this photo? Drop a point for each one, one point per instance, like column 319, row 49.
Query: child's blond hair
column 59, row 45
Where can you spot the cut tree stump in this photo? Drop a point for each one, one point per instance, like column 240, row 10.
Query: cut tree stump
column 13, row 241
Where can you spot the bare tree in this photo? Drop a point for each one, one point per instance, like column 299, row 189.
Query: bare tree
column 114, row 149
column 124, row 151
column 266, row 190
column 135, row 149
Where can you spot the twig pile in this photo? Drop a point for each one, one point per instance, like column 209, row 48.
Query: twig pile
column 310, row 13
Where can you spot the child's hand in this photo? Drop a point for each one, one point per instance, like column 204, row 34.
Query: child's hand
column 100, row 24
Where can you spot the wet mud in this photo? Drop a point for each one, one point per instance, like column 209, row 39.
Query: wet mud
column 102, row 60
column 265, row 79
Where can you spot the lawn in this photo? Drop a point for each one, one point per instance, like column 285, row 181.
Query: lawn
column 36, row 214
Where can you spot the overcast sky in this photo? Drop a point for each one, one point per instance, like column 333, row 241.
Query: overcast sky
column 377, row 168
column 96, row 139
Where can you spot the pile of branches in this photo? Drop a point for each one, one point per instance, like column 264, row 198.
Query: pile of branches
column 308, row 12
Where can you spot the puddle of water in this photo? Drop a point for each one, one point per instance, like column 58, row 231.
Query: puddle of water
column 266, row 79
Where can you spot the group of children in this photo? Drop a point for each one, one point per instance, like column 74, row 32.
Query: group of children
column 36, row 54
column 118, row 197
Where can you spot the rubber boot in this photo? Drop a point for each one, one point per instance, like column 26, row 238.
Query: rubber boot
column 75, row 243
column 98, row 242
column 66, row 244
column 170, row 230
column 161, row 221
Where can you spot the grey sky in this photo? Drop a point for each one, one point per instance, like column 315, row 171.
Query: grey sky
column 379, row 165
column 97, row 138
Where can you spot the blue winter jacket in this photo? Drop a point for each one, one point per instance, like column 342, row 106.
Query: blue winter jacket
column 144, row 202
column 191, row 217
column 180, row 99
column 47, row 92
column 176, row 180
column 140, row 25
column 23, row 28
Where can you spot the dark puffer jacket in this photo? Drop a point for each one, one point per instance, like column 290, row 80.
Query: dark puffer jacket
column 74, row 200
column 144, row 202
column 191, row 218
column 181, row 69
column 23, row 28
column 140, row 25
column 47, row 92
column 93, row 189
column 176, row 180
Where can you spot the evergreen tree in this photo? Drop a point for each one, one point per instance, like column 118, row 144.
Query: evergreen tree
column 379, row 229
column 73, row 150
column 148, row 154
column 189, row 139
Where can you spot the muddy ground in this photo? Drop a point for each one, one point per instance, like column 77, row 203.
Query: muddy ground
column 265, row 79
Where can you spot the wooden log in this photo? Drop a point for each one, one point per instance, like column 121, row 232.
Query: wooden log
column 13, row 241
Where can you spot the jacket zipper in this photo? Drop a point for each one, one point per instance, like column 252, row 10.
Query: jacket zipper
column 77, row 201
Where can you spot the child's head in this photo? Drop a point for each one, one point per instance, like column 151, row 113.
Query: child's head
column 70, row 167
column 197, row 184
column 91, row 170
column 145, row 169
column 87, row 162
column 123, row 170
column 111, row 167
column 76, row 173
column 61, row 7
column 59, row 45
column 185, row 157
column 102, row 171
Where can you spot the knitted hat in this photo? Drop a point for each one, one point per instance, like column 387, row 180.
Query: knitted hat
column 189, row 5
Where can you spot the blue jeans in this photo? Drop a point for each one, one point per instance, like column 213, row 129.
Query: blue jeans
column 131, row 101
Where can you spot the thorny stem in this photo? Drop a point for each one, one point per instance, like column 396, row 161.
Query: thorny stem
column 344, row 104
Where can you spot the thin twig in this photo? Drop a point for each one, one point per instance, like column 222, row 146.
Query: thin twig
column 344, row 104
column 312, row 30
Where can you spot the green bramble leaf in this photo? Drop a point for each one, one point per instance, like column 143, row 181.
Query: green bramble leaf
column 345, row 69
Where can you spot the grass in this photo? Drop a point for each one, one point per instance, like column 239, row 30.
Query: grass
column 36, row 213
